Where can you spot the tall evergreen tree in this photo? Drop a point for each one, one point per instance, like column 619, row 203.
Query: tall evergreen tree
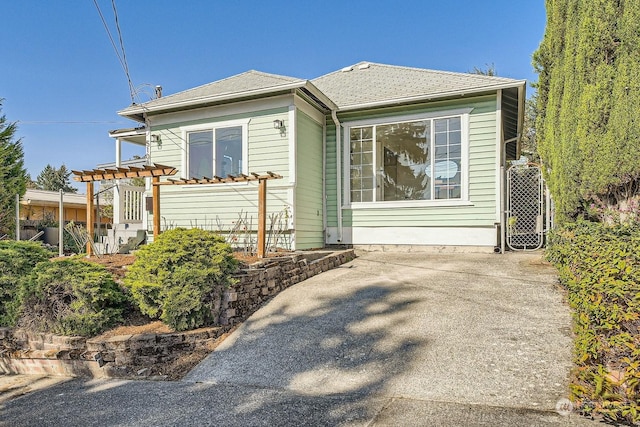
column 13, row 176
column 588, row 65
column 52, row 179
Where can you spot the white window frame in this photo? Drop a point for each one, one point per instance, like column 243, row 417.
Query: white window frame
column 463, row 113
column 185, row 130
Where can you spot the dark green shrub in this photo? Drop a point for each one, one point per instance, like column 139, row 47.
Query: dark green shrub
column 600, row 267
column 70, row 297
column 17, row 259
column 178, row 277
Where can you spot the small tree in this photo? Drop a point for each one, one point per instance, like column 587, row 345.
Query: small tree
column 13, row 176
column 489, row 71
column 52, row 179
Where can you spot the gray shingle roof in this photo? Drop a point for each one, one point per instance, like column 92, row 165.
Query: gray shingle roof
column 360, row 85
column 368, row 83
column 239, row 84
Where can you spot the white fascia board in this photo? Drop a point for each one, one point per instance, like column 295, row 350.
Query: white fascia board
column 320, row 95
column 433, row 97
column 133, row 111
column 123, row 133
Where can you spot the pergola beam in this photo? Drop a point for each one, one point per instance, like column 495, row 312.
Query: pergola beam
column 262, row 198
column 157, row 171
column 123, row 172
column 152, row 171
column 220, row 180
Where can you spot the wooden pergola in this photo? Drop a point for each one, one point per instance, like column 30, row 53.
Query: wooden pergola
column 150, row 171
column 262, row 196
column 155, row 172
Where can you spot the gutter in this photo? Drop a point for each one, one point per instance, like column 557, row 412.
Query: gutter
column 141, row 109
column 334, row 116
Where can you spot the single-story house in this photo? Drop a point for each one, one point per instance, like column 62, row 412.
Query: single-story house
column 43, row 205
column 40, row 208
column 370, row 155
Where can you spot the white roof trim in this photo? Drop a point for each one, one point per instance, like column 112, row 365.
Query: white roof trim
column 429, row 97
column 120, row 133
column 130, row 111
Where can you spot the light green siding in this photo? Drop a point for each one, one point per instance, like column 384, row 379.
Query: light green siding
column 219, row 206
column 308, row 212
column 482, row 173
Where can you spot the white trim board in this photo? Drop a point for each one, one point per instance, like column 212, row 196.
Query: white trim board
column 438, row 236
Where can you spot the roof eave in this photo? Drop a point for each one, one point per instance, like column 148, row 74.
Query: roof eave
column 433, row 96
column 139, row 110
column 117, row 133
column 320, row 95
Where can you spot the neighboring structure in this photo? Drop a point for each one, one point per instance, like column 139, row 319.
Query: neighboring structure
column 418, row 159
column 39, row 205
column 39, row 208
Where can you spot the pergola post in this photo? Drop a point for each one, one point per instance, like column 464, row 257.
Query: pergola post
column 153, row 171
column 156, row 207
column 90, row 218
column 262, row 216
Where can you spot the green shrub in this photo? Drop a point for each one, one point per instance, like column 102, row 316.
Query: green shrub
column 177, row 278
column 17, row 259
column 600, row 267
column 70, row 297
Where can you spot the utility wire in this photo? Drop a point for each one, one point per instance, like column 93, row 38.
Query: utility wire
column 115, row 48
column 132, row 90
column 67, row 122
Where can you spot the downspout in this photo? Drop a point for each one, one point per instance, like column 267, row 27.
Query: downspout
column 503, row 181
column 334, row 116
column 324, row 178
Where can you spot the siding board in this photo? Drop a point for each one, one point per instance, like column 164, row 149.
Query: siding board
column 482, row 174
column 308, row 212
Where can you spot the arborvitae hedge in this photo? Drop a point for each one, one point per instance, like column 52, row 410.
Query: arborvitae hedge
column 588, row 126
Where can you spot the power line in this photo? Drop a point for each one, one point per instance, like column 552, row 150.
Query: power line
column 122, row 59
column 67, row 122
column 124, row 55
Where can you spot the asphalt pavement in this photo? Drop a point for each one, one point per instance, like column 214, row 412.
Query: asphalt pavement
column 410, row 339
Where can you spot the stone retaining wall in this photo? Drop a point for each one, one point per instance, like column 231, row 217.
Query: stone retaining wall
column 136, row 355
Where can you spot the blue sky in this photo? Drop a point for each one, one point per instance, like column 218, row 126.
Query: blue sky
column 63, row 83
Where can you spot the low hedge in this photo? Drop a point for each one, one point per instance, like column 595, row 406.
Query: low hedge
column 176, row 277
column 600, row 267
column 70, row 297
column 17, row 260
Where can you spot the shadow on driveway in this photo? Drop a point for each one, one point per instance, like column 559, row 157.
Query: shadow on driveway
column 388, row 339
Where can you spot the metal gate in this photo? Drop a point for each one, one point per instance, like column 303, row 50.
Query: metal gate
column 525, row 224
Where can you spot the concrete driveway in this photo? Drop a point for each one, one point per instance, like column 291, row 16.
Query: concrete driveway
column 388, row 339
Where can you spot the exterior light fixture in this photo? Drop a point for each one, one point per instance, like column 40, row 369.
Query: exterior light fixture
column 278, row 124
column 157, row 139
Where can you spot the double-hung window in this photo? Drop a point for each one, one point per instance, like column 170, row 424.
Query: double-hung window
column 217, row 151
column 417, row 159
